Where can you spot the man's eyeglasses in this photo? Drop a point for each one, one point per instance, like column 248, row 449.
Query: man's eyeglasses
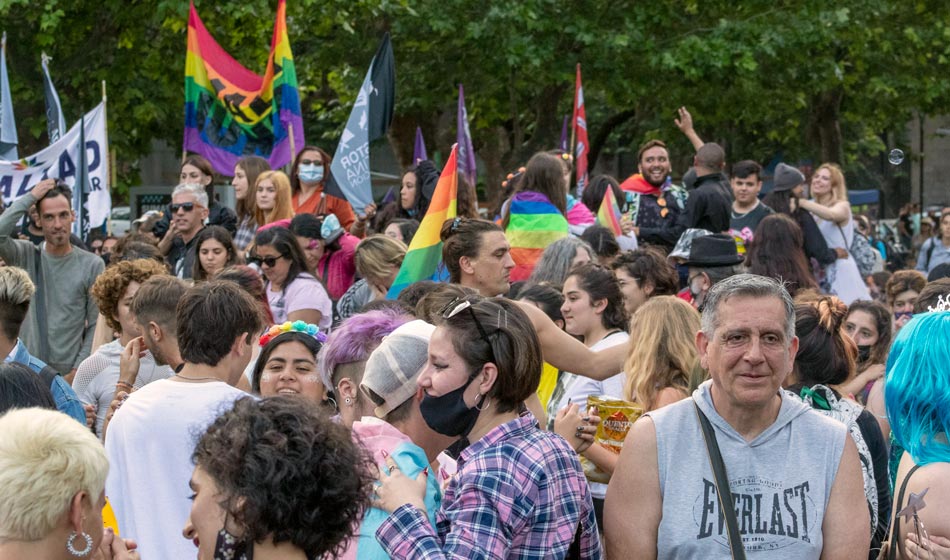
column 186, row 206
column 269, row 262
column 458, row 305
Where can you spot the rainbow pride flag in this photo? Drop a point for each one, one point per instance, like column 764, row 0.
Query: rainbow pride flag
column 608, row 215
column 231, row 112
column 425, row 251
column 533, row 224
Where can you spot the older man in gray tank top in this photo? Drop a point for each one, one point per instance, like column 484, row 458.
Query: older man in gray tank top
column 794, row 475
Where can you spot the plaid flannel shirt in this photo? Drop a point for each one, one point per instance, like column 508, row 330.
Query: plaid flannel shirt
column 520, row 493
column 245, row 233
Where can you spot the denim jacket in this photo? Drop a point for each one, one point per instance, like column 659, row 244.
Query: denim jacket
column 66, row 399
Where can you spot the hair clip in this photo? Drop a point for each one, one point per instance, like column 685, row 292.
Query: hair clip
column 455, row 224
column 296, row 326
column 943, row 304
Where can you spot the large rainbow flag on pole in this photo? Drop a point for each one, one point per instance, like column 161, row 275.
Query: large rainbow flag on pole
column 533, row 224
column 231, row 112
column 425, row 251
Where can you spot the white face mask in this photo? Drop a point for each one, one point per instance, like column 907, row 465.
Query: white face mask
column 310, row 173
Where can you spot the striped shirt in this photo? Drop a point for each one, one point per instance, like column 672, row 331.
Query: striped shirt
column 520, row 493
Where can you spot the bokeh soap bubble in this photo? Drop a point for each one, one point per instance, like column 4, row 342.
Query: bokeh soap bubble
column 896, row 157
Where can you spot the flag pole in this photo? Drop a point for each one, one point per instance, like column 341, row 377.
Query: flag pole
column 106, row 153
column 574, row 114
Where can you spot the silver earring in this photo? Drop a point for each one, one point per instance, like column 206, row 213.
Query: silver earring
column 72, row 550
column 348, row 401
column 486, row 402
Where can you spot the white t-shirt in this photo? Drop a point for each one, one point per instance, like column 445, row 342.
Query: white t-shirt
column 576, row 389
column 97, row 375
column 149, row 445
column 305, row 292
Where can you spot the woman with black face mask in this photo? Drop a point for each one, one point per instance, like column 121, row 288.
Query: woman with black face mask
column 520, row 491
column 869, row 324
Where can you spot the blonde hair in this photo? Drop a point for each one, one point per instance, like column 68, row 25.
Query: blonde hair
column 46, row 458
column 839, row 190
column 662, row 349
column 376, row 254
column 283, row 203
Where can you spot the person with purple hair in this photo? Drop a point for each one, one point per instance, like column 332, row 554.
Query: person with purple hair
column 343, row 358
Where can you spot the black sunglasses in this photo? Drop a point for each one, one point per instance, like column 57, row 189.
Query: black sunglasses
column 458, row 305
column 269, row 262
column 186, row 206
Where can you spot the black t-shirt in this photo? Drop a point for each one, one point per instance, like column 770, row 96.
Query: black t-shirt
column 750, row 219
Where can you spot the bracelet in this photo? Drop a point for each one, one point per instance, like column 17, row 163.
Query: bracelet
column 123, row 384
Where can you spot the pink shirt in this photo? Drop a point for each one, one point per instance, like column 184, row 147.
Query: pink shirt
column 338, row 269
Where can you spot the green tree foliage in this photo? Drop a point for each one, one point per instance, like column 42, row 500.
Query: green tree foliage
column 805, row 78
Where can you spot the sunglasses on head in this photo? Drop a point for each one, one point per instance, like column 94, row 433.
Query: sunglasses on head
column 269, row 262
column 186, row 206
column 458, row 305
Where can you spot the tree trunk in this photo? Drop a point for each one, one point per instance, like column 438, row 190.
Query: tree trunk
column 826, row 125
column 604, row 132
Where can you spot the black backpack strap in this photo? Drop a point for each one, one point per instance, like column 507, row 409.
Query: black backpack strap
column 930, row 251
column 39, row 297
column 722, row 485
column 48, row 374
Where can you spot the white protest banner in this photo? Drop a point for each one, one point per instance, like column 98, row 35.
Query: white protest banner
column 59, row 160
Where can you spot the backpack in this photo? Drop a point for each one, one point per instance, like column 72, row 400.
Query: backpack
column 863, row 253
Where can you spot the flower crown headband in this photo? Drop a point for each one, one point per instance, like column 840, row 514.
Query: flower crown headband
column 296, row 326
column 510, row 176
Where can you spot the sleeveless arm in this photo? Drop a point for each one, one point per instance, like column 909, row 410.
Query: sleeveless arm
column 845, row 528
column 631, row 532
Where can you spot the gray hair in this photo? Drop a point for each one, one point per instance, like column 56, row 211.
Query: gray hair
column 717, row 274
column 555, row 261
column 746, row 285
column 16, row 288
column 198, row 191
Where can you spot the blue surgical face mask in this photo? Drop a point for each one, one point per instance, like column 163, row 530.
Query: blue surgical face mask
column 310, row 173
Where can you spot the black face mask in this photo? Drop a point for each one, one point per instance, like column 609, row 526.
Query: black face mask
column 864, row 352
column 448, row 414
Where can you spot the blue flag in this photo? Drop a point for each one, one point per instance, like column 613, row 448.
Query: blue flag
column 55, row 123
column 370, row 119
column 8, row 138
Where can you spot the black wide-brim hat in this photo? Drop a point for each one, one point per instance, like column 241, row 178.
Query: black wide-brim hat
column 713, row 250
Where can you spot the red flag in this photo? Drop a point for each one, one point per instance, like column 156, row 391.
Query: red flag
column 580, row 132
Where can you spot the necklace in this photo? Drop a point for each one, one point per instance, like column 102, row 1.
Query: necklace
column 180, row 376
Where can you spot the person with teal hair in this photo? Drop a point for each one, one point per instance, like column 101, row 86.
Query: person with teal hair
column 917, row 398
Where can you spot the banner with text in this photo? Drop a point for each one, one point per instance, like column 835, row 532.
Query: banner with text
column 61, row 160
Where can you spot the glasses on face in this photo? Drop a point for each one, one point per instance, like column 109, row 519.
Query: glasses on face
column 311, row 162
column 269, row 262
column 458, row 305
column 186, row 206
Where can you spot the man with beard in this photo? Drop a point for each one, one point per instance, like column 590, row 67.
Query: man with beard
column 63, row 311
column 653, row 203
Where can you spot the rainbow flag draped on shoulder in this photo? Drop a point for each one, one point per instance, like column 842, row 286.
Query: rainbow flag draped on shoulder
column 425, row 251
column 533, row 224
column 231, row 112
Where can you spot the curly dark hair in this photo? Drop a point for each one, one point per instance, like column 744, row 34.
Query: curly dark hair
column 600, row 283
column 289, row 473
column 649, row 267
column 110, row 287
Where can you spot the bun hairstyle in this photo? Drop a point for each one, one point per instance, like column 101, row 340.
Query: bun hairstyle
column 826, row 355
column 462, row 237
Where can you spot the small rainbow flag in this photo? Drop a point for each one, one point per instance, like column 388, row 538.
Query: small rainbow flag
column 425, row 251
column 608, row 215
column 231, row 112
column 533, row 224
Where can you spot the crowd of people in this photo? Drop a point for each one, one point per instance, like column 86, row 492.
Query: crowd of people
column 744, row 370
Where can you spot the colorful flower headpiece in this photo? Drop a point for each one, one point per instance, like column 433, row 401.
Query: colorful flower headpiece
column 296, row 326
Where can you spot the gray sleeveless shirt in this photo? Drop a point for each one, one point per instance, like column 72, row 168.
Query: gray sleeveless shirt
column 780, row 481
